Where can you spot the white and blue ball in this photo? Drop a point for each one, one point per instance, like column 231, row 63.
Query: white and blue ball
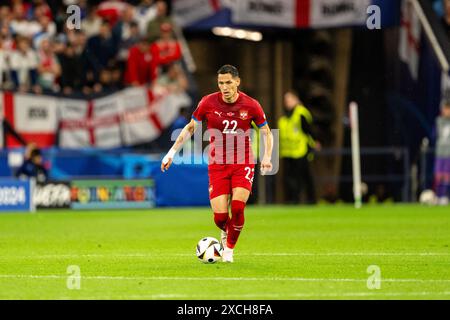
column 209, row 250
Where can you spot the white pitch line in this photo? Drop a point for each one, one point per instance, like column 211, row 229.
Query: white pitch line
column 354, row 254
column 25, row 276
column 273, row 295
column 274, row 254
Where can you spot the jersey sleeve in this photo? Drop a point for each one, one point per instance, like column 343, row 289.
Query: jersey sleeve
column 199, row 113
column 258, row 115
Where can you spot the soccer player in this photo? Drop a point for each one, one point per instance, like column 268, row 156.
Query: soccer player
column 229, row 114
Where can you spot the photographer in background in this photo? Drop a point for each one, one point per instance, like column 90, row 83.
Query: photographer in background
column 33, row 167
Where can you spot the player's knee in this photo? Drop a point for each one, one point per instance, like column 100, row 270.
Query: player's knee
column 221, row 220
column 237, row 212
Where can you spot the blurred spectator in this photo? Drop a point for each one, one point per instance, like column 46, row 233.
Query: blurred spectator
column 23, row 63
column 37, row 9
column 48, row 30
column 7, row 38
column 173, row 78
column 39, row 52
column 166, row 49
column 154, row 26
column 101, row 51
column 110, row 78
column 111, row 10
column 5, row 14
column 73, row 68
column 141, row 65
column 4, row 68
column 33, row 168
column 92, row 23
column 442, row 162
column 126, row 43
column 121, row 29
column 296, row 142
column 126, row 32
column 144, row 13
column 20, row 25
column 59, row 44
column 48, row 68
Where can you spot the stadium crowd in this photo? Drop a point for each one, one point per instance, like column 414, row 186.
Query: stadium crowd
column 118, row 44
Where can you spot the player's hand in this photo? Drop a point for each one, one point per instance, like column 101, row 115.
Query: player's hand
column 167, row 160
column 266, row 165
column 166, row 163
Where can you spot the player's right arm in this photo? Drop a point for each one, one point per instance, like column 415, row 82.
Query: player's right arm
column 185, row 135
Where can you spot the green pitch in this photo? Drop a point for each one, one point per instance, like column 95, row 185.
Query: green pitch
column 319, row 252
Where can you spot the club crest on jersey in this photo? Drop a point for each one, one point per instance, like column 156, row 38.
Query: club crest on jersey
column 243, row 114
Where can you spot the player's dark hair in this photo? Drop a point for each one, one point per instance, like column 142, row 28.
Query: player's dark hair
column 228, row 68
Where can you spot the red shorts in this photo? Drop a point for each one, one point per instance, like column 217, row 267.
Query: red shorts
column 225, row 177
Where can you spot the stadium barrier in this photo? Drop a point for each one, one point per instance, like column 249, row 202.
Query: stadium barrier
column 112, row 194
column 17, row 195
column 52, row 195
column 389, row 167
column 187, row 184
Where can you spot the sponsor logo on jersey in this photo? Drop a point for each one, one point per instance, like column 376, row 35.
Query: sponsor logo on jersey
column 218, row 113
column 230, row 114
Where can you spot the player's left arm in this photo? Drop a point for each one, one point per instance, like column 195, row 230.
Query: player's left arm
column 259, row 118
column 266, row 162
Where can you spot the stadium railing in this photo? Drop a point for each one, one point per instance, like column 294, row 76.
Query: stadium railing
column 386, row 166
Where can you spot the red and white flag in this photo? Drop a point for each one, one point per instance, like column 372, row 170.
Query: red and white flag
column 187, row 12
column 279, row 13
column 335, row 13
column 74, row 132
column 299, row 13
column 33, row 117
column 146, row 113
column 138, row 124
column 131, row 116
column 410, row 32
column 90, row 123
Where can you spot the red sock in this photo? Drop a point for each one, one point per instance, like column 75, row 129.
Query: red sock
column 221, row 220
column 236, row 223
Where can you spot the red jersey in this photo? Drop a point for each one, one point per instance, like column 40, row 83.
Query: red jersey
column 141, row 66
column 229, row 127
column 166, row 51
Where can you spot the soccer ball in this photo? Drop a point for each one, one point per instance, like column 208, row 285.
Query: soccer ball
column 428, row 197
column 209, row 250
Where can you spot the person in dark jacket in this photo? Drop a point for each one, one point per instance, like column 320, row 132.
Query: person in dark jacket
column 33, row 168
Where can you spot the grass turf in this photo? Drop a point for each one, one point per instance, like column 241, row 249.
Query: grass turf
column 318, row 252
